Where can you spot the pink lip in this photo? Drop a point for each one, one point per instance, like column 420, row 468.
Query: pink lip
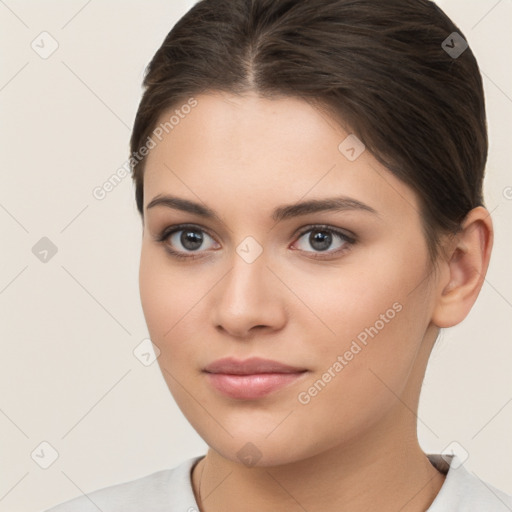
column 251, row 378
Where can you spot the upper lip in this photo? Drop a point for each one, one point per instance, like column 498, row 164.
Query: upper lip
column 251, row 366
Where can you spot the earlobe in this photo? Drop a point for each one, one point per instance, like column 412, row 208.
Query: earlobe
column 465, row 268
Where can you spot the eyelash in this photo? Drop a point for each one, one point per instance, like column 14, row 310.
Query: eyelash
column 170, row 230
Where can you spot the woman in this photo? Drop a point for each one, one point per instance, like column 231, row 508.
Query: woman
column 309, row 178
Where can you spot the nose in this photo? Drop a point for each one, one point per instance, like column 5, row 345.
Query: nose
column 249, row 299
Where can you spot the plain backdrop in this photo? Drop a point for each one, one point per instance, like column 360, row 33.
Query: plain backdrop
column 69, row 301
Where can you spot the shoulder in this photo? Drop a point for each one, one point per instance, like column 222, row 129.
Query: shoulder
column 158, row 492
column 464, row 491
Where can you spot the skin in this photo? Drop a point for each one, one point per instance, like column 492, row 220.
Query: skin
column 354, row 444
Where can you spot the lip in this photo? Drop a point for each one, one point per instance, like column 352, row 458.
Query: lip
column 252, row 378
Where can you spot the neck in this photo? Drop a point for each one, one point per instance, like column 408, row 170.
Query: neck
column 393, row 472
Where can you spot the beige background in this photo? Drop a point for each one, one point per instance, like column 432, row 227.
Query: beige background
column 68, row 375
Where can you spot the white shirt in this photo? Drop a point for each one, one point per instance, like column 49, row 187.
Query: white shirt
column 170, row 490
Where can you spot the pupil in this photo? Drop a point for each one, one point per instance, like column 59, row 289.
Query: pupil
column 321, row 240
column 191, row 240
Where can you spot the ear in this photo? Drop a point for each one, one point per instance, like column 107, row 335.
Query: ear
column 463, row 269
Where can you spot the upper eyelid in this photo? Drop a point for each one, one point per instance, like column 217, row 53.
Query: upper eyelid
column 170, row 230
column 327, row 227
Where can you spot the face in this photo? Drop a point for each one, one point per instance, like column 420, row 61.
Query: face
column 338, row 292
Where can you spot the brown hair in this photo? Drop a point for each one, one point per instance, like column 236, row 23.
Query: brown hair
column 378, row 66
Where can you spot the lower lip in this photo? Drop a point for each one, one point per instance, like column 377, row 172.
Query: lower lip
column 251, row 387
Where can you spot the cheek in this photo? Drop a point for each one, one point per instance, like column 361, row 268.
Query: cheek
column 166, row 293
column 376, row 325
column 154, row 295
column 354, row 301
column 370, row 375
column 174, row 302
column 360, row 373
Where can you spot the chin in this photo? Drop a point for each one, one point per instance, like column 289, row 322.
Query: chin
column 253, row 449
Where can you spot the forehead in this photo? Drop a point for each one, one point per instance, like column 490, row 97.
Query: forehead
column 240, row 129
column 255, row 150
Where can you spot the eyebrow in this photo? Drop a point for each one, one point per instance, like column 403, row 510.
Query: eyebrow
column 280, row 213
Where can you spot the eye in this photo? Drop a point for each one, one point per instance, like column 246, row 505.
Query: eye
column 321, row 238
column 191, row 238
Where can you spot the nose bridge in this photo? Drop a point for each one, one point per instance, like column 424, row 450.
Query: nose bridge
column 245, row 284
column 247, row 296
